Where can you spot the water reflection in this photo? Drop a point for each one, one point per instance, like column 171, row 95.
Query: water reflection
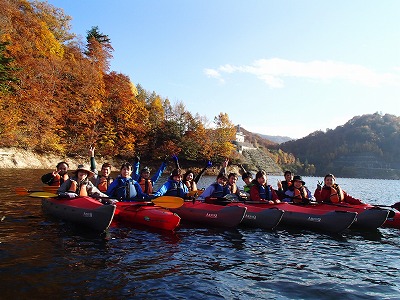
column 43, row 257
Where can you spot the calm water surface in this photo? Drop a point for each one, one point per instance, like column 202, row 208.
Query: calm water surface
column 43, row 258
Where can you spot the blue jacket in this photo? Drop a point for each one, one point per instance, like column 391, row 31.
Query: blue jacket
column 126, row 189
column 215, row 190
column 172, row 188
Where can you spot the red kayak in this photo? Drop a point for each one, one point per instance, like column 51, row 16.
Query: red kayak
column 393, row 220
column 82, row 210
column 147, row 214
column 211, row 214
column 260, row 217
column 368, row 217
column 333, row 221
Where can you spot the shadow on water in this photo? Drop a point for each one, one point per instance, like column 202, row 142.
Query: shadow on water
column 42, row 257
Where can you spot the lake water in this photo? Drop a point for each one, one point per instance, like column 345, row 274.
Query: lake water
column 44, row 258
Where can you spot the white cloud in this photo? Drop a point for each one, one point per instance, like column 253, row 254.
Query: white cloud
column 211, row 73
column 274, row 71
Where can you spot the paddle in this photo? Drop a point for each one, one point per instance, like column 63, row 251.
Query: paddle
column 24, row 191
column 345, row 204
column 163, row 201
column 195, row 193
column 395, row 206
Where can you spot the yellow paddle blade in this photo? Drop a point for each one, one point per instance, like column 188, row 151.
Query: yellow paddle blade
column 168, row 201
column 42, row 195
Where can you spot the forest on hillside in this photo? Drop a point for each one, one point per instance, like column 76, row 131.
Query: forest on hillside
column 59, row 95
column 366, row 146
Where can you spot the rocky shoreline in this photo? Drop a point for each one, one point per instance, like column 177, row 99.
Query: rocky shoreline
column 16, row 158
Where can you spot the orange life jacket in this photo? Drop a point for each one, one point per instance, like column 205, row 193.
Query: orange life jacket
column 81, row 191
column 336, row 194
column 299, row 194
column 103, row 184
column 146, row 185
column 58, row 180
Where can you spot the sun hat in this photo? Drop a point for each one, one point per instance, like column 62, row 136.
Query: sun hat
column 85, row 169
column 298, row 177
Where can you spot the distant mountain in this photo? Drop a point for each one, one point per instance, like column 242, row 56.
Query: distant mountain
column 276, row 138
column 367, row 146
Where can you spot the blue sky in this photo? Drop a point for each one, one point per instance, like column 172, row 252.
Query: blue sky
column 283, row 67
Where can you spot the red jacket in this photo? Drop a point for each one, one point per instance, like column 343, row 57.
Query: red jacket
column 255, row 193
column 323, row 195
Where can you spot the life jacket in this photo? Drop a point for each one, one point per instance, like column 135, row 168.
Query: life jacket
column 219, row 190
column 79, row 188
column 175, row 189
column 58, row 180
column 146, row 185
column 299, row 194
column 125, row 189
column 233, row 188
column 336, row 194
column 103, row 183
column 286, row 185
column 265, row 192
column 189, row 185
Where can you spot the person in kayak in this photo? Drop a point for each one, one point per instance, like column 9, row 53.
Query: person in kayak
column 218, row 189
column 102, row 181
column 232, row 179
column 297, row 192
column 261, row 190
column 57, row 177
column 188, row 178
column 284, row 184
column 143, row 178
column 79, row 185
column 247, row 178
column 125, row 188
column 174, row 186
column 331, row 192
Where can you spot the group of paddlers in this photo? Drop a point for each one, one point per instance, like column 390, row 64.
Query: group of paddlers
column 131, row 184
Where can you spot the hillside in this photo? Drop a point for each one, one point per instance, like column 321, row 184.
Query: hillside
column 276, row 138
column 367, row 146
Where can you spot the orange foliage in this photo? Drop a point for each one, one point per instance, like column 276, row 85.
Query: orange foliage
column 67, row 99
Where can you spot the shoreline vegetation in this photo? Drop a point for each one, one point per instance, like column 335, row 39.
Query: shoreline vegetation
column 16, row 158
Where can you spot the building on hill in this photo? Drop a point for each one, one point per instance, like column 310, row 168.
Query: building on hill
column 255, row 159
column 239, row 141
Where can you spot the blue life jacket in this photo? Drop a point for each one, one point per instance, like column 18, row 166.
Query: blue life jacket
column 175, row 189
column 265, row 192
column 219, row 190
column 125, row 189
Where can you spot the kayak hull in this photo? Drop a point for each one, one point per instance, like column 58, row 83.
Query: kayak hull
column 211, row 214
column 314, row 219
column 260, row 217
column 85, row 211
column 368, row 217
column 393, row 220
column 146, row 214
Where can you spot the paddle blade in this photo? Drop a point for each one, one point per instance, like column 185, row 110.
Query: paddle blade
column 168, row 201
column 21, row 191
column 42, row 195
column 396, row 206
